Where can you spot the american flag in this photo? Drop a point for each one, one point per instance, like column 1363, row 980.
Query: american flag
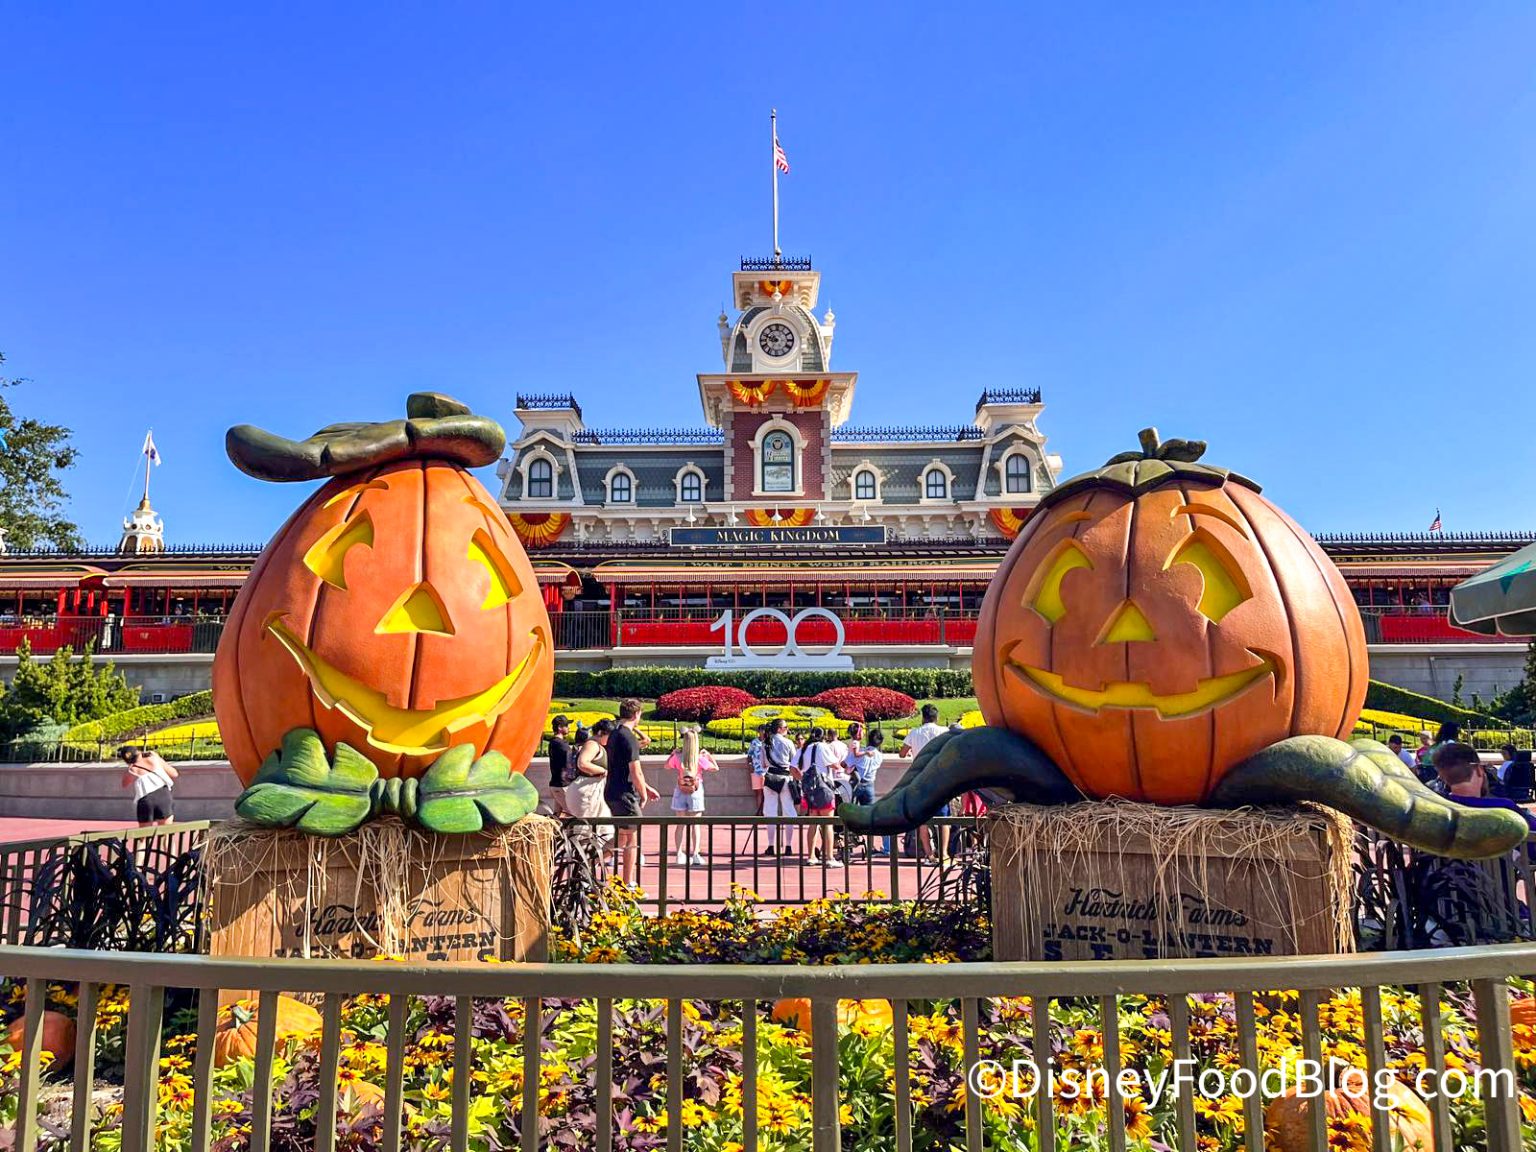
column 1435, row 526
column 780, row 161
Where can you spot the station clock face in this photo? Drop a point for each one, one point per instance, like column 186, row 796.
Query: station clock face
column 776, row 340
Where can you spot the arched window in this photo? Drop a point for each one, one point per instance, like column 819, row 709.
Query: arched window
column 620, row 488
column 778, row 462
column 864, row 485
column 935, row 484
column 541, row 479
column 1016, row 473
column 691, row 488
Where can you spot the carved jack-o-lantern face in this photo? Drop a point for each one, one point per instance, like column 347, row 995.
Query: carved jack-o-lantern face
column 395, row 612
column 1150, row 640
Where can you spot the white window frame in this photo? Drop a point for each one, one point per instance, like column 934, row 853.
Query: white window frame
column 634, row 488
column 691, row 469
column 853, row 488
column 778, row 423
column 1014, row 453
column 936, row 465
column 525, row 463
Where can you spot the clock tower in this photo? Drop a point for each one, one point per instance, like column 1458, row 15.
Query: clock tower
column 777, row 400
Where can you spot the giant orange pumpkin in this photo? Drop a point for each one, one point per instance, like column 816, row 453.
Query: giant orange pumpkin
column 1158, row 621
column 394, row 612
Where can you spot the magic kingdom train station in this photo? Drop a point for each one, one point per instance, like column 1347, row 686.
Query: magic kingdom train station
column 778, row 506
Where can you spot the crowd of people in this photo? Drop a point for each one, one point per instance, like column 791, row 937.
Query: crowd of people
column 1454, row 768
column 598, row 772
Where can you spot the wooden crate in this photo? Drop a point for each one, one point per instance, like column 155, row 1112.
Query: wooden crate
column 385, row 890
column 1119, row 881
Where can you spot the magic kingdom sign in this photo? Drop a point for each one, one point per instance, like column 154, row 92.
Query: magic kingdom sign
column 758, row 537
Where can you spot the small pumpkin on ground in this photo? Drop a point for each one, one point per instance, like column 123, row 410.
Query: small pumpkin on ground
column 1288, row 1119
column 795, row 1013
column 235, row 1035
column 58, row 1037
column 1522, row 1012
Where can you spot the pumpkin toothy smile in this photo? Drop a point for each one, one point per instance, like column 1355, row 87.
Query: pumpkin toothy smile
column 409, row 731
column 1205, row 695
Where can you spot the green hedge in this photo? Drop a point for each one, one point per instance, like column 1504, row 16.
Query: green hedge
column 1392, row 699
column 137, row 720
column 650, row 683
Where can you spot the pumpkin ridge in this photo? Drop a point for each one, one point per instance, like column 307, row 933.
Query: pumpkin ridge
column 419, row 559
column 1296, row 661
column 509, row 612
column 1210, row 667
column 1350, row 714
column 321, row 594
column 1069, row 765
column 1126, row 567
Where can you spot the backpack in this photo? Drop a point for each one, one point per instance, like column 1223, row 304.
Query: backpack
column 813, row 782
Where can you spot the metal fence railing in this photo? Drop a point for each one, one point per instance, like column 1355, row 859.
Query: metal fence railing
column 1473, row 984
column 137, row 890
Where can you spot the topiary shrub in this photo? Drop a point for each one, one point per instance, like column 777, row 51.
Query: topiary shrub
column 865, row 704
column 1390, row 698
column 193, row 706
column 712, row 702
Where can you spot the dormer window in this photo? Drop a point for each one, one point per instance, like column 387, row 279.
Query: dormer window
column 690, row 486
column 1016, row 473
column 621, row 488
column 935, row 484
column 541, row 479
column 864, row 487
column 778, row 462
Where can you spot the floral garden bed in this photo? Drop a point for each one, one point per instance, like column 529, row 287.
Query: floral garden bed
column 827, row 932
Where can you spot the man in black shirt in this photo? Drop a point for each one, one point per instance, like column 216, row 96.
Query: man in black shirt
column 559, row 761
column 625, row 790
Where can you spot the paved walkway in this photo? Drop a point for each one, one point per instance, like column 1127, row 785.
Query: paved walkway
column 14, row 828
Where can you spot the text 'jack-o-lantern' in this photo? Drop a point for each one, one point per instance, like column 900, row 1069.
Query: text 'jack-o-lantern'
column 1158, row 621
column 394, row 612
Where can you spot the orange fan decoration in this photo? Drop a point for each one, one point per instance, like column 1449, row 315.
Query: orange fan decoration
column 1008, row 521
column 751, row 392
column 769, row 287
column 787, row 517
column 806, row 393
column 538, row 529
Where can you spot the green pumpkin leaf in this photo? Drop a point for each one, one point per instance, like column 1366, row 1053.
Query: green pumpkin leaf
column 460, row 793
column 301, row 788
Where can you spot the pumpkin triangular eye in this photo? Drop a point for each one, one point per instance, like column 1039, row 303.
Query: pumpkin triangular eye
column 1223, row 586
column 1044, row 594
column 504, row 583
column 327, row 556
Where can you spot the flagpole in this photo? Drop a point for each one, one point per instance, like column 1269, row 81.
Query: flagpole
column 773, row 161
column 146, row 472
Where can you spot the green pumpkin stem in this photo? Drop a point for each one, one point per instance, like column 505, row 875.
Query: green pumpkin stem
column 1149, row 442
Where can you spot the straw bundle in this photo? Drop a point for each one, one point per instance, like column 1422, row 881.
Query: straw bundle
column 383, row 890
column 1118, row 879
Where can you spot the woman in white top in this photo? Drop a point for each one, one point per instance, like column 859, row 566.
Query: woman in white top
column 151, row 778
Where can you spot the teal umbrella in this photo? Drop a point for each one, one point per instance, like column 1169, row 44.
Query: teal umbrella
column 1500, row 601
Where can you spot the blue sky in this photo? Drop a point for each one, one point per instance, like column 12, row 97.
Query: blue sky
column 1304, row 233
